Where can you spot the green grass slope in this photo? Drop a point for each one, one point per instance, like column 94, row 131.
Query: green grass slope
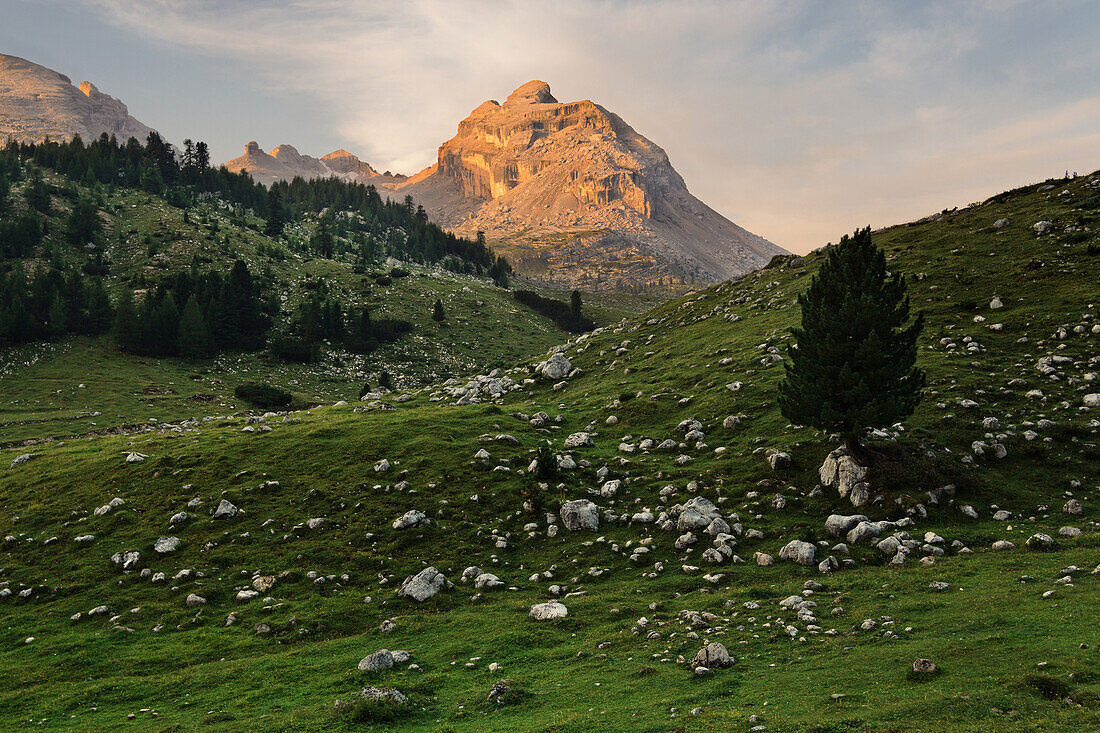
column 80, row 385
column 1015, row 642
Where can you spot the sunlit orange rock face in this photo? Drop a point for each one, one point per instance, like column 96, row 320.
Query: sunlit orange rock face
column 36, row 103
column 590, row 152
column 576, row 175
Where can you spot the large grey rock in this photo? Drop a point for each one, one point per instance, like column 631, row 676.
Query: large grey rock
column 381, row 659
column 578, row 440
column 423, row 585
column 799, row 552
column 549, row 610
column 225, row 510
column 697, row 513
column 841, row 472
column 1041, row 542
column 580, row 514
column 488, row 580
column 863, row 531
column 411, row 518
column 164, row 545
column 838, row 525
column 779, row 460
column 888, row 545
column 712, row 656
column 557, row 366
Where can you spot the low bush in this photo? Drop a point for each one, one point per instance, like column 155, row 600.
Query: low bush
column 264, row 396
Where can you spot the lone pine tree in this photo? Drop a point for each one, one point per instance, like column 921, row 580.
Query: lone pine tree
column 853, row 364
column 437, row 311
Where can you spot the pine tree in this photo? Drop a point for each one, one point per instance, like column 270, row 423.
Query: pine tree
column 97, row 311
column 202, row 156
column 163, row 328
column 187, row 161
column 127, row 331
column 194, row 337
column 37, row 194
column 57, row 317
column 853, row 365
column 276, row 217
column 322, row 241
column 437, row 311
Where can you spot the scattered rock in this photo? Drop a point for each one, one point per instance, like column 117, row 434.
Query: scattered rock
column 798, row 551
column 712, row 656
column 376, row 662
column 225, row 510
column 423, row 585
column 1040, row 542
column 164, row 545
column 580, row 514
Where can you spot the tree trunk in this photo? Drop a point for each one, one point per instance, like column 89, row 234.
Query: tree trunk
column 855, row 449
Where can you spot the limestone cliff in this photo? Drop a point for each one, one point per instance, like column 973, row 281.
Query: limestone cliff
column 36, row 102
column 573, row 188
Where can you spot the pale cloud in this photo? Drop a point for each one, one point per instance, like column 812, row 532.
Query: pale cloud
column 799, row 121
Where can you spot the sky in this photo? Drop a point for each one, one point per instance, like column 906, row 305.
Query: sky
column 798, row 120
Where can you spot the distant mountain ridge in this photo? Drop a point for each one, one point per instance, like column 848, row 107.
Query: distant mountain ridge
column 37, row 102
column 285, row 163
column 565, row 189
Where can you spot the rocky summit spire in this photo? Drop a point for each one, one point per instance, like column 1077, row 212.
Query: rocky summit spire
column 533, row 92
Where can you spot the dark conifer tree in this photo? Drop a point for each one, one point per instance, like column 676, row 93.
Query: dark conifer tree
column 97, row 313
column 194, row 337
column 127, row 331
column 83, row 224
column 202, row 157
column 437, row 311
column 37, row 194
column 162, row 328
column 853, row 364
column 276, row 218
column 322, row 241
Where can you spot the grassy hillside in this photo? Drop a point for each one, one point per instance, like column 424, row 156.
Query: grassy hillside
column 1014, row 642
column 76, row 385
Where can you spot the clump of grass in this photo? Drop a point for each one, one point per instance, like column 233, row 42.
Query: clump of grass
column 362, row 709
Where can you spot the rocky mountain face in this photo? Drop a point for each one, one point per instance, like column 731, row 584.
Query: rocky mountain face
column 567, row 190
column 284, row 163
column 36, row 102
column 572, row 190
